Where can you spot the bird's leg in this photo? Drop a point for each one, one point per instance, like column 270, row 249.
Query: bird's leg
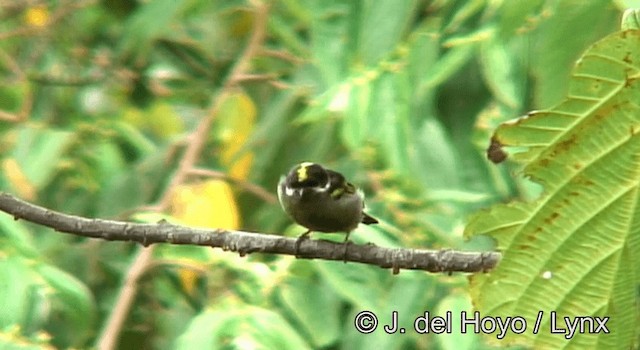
column 300, row 239
column 346, row 247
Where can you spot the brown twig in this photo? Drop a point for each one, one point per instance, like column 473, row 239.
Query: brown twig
column 283, row 55
column 280, row 85
column 27, row 103
column 255, row 77
column 9, row 117
column 247, row 242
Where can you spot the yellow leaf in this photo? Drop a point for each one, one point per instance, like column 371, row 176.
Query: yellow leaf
column 160, row 120
column 236, row 119
column 189, row 279
column 18, row 180
column 133, row 116
column 163, row 120
column 240, row 168
column 37, row 16
column 206, row 204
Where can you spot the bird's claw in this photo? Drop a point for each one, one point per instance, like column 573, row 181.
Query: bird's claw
column 346, row 249
column 299, row 241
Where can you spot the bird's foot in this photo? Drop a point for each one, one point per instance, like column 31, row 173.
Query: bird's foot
column 299, row 241
column 346, row 249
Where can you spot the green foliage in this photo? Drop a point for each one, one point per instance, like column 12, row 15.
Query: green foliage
column 577, row 243
column 98, row 100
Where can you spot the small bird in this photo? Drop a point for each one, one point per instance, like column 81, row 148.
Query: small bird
column 322, row 200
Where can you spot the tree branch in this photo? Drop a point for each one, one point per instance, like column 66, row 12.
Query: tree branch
column 248, row 242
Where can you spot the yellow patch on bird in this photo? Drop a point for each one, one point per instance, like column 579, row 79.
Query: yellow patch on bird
column 302, row 172
column 337, row 193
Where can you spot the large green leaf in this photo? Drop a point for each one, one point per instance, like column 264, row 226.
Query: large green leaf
column 21, row 300
column 148, row 24
column 570, row 28
column 408, row 294
column 72, row 304
column 455, row 304
column 382, row 26
column 574, row 250
column 15, row 237
column 357, row 283
column 304, row 296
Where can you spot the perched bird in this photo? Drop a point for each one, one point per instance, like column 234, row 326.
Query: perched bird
column 322, row 200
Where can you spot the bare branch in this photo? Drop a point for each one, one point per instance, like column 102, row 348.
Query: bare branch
column 248, row 242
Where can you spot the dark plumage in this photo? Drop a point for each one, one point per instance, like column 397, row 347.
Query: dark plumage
column 322, row 200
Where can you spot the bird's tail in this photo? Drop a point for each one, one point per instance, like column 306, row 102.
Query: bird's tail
column 368, row 220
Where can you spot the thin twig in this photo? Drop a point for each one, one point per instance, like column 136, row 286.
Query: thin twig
column 247, row 242
column 283, row 55
column 255, row 77
column 9, row 117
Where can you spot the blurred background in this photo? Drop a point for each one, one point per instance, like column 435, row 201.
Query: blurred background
column 191, row 110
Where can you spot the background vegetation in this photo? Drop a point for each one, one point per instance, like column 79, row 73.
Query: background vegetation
column 104, row 107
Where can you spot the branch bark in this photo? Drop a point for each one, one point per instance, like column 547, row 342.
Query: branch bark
column 248, row 242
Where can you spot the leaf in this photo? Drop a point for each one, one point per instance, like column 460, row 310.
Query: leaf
column 393, row 131
column 209, row 204
column 563, row 19
column 407, row 293
column 435, row 163
column 357, row 97
column 147, row 24
column 517, row 15
column 240, row 327
column 328, row 23
column 17, row 179
column 383, row 25
column 19, row 297
column 575, row 249
column 74, row 304
column 631, row 19
column 500, row 73
column 39, row 151
column 15, row 236
column 13, row 340
column 456, row 304
column 12, row 96
column 359, row 284
column 131, row 135
column 208, row 330
column 235, row 122
column 124, row 186
column 445, row 67
column 303, row 297
column 163, row 121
